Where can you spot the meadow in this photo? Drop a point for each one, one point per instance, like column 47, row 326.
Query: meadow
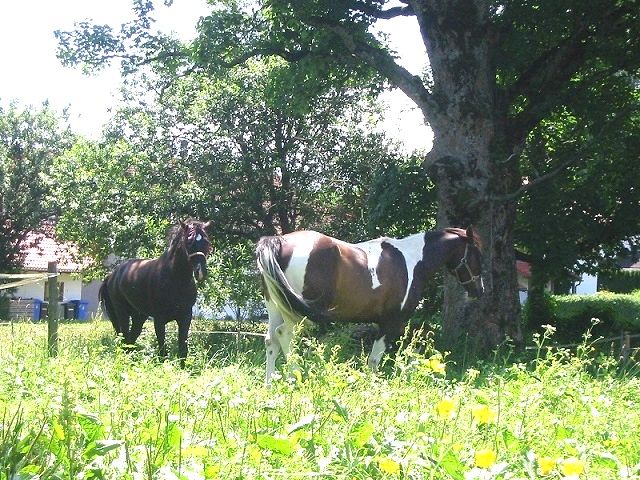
column 96, row 411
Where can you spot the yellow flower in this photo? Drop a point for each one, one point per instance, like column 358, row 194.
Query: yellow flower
column 445, row 408
column 485, row 458
column 388, row 465
column 546, row 465
column 483, row 414
column 572, row 466
column 457, row 447
column 436, row 365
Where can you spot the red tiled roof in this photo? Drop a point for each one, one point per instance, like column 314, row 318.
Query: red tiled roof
column 40, row 248
column 523, row 268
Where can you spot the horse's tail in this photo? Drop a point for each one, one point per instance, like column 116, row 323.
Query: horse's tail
column 107, row 306
column 277, row 287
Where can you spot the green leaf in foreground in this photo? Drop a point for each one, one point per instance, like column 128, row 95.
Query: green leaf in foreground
column 285, row 446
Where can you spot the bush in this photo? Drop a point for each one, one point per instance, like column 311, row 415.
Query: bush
column 573, row 314
column 622, row 281
column 538, row 310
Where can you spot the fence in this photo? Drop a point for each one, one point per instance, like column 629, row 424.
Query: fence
column 624, row 340
column 52, row 317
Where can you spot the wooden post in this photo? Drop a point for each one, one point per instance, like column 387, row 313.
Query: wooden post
column 52, row 321
column 625, row 347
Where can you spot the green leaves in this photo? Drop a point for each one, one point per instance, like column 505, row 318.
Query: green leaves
column 30, row 141
column 361, row 433
column 283, row 445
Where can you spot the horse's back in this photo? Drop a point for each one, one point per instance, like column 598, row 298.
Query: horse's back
column 336, row 277
column 146, row 287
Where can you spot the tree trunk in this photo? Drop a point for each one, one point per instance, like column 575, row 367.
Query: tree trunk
column 471, row 167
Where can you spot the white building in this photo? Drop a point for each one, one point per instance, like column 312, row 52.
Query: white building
column 37, row 250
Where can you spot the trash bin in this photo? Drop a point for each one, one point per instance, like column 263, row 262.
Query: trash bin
column 82, row 309
column 69, row 309
column 37, row 310
column 44, row 310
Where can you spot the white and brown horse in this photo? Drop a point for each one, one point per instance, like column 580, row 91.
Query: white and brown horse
column 308, row 274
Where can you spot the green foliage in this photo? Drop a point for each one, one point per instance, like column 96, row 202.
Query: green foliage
column 30, row 140
column 561, row 223
column 621, row 281
column 237, row 149
column 99, row 413
column 402, row 200
column 233, row 281
column 538, row 310
column 112, row 199
column 615, row 312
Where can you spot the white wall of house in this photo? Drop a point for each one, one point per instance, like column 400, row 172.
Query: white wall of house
column 72, row 288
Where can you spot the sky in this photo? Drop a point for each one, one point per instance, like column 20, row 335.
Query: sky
column 33, row 74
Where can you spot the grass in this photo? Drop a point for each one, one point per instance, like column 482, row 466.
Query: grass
column 98, row 412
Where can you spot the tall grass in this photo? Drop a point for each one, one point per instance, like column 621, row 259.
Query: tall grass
column 96, row 411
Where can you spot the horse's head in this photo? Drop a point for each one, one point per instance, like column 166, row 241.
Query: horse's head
column 198, row 246
column 467, row 266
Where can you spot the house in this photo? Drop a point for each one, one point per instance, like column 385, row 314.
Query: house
column 627, row 278
column 76, row 297
column 523, row 270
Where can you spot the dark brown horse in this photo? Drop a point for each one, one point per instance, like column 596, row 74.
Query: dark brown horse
column 308, row 274
column 163, row 288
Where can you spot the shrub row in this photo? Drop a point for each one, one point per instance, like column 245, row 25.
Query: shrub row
column 573, row 314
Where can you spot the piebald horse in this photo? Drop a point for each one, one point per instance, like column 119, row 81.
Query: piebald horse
column 163, row 288
column 308, row 274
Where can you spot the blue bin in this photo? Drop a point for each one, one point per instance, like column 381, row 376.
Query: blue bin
column 82, row 309
column 36, row 315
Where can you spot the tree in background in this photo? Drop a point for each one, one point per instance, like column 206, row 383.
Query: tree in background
column 590, row 196
column 493, row 78
column 498, row 70
column 30, row 141
column 245, row 149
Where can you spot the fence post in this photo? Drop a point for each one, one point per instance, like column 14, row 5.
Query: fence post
column 625, row 347
column 52, row 321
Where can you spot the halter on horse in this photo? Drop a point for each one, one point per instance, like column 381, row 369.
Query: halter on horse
column 308, row 274
column 163, row 288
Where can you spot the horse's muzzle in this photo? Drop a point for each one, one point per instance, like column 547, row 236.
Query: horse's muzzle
column 200, row 272
column 475, row 290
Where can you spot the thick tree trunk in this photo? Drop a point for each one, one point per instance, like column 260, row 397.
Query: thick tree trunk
column 471, row 167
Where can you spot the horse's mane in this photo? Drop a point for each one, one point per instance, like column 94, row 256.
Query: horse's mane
column 477, row 241
column 177, row 236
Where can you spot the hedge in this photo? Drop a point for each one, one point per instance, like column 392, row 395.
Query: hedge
column 622, row 281
column 573, row 314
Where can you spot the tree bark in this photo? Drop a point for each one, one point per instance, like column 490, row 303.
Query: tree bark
column 470, row 162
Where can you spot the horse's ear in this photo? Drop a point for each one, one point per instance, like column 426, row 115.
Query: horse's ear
column 183, row 225
column 207, row 225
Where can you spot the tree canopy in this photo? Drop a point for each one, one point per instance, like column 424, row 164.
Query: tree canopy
column 502, row 76
column 30, row 141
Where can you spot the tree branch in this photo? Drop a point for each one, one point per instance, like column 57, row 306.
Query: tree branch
column 611, row 124
column 554, row 68
column 290, row 56
column 383, row 62
column 392, row 12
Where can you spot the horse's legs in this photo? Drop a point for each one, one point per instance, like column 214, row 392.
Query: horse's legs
column 137, row 321
column 377, row 351
column 183, row 332
column 121, row 312
column 271, row 341
column 159, row 325
column 284, row 334
column 390, row 332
